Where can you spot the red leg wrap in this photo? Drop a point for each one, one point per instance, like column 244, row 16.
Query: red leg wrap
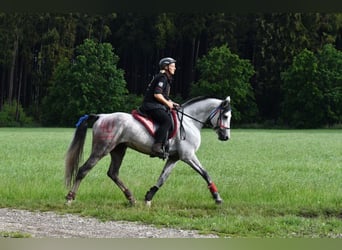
column 212, row 187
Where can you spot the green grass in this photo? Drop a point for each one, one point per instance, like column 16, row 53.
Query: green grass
column 14, row 235
column 275, row 183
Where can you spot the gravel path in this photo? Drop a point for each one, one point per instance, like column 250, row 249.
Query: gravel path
column 52, row 225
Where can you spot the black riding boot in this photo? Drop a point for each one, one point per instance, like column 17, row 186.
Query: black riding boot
column 157, row 148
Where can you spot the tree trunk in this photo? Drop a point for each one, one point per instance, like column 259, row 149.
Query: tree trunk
column 2, row 93
column 11, row 80
column 17, row 113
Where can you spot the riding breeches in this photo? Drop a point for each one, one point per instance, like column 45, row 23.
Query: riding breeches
column 163, row 118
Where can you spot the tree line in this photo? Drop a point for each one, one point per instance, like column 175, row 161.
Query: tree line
column 34, row 45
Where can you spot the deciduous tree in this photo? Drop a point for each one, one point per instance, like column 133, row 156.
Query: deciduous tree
column 313, row 89
column 91, row 83
column 222, row 73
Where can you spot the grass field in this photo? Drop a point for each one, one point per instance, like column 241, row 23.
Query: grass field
column 275, row 183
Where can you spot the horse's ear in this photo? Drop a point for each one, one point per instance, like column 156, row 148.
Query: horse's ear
column 226, row 102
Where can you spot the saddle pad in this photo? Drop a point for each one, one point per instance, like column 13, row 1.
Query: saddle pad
column 151, row 126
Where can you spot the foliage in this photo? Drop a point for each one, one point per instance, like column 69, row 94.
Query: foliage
column 33, row 44
column 91, row 83
column 133, row 102
column 13, row 115
column 278, row 38
column 313, row 89
column 222, row 73
column 330, row 79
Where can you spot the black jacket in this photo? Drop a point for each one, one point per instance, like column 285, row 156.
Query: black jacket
column 160, row 84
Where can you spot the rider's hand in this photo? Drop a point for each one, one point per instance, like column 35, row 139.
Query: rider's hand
column 169, row 104
column 175, row 105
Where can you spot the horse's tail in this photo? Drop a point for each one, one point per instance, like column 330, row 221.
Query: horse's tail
column 75, row 151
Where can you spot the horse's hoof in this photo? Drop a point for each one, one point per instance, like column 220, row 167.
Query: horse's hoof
column 132, row 201
column 148, row 203
column 219, row 201
column 68, row 202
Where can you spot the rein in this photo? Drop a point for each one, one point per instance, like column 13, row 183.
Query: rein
column 185, row 114
column 181, row 128
column 212, row 114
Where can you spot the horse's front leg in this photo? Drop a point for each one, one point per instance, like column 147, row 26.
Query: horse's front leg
column 196, row 165
column 169, row 165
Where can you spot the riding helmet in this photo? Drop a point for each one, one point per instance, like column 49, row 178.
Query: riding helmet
column 166, row 61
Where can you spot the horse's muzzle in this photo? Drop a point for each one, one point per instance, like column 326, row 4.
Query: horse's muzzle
column 223, row 138
column 224, row 135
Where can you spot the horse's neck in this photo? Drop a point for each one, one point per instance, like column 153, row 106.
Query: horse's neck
column 201, row 110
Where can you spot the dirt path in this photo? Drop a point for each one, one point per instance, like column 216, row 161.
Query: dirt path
column 52, row 225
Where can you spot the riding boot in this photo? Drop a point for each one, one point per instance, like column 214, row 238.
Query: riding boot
column 157, row 149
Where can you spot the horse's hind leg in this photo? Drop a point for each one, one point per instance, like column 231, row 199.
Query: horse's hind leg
column 81, row 173
column 117, row 155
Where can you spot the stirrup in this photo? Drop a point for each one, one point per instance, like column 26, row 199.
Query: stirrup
column 162, row 155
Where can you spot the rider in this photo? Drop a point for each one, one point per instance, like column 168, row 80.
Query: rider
column 157, row 103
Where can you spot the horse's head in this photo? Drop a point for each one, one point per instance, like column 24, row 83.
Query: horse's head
column 220, row 119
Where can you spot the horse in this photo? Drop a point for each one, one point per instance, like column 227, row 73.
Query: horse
column 113, row 133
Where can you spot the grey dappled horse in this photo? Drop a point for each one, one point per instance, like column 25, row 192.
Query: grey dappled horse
column 113, row 133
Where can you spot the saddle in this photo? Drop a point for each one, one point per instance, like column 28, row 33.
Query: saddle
column 151, row 127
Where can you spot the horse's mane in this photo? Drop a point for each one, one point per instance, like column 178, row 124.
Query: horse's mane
column 195, row 99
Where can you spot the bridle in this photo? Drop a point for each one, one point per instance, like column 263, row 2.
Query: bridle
column 219, row 124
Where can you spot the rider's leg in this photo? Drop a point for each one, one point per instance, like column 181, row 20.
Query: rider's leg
column 164, row 121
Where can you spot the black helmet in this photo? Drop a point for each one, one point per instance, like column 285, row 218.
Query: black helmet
column 166, row 61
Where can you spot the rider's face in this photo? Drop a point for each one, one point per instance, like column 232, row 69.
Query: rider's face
column 172, row 68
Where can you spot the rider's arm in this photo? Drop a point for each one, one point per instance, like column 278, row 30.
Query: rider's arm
column 160, row 98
